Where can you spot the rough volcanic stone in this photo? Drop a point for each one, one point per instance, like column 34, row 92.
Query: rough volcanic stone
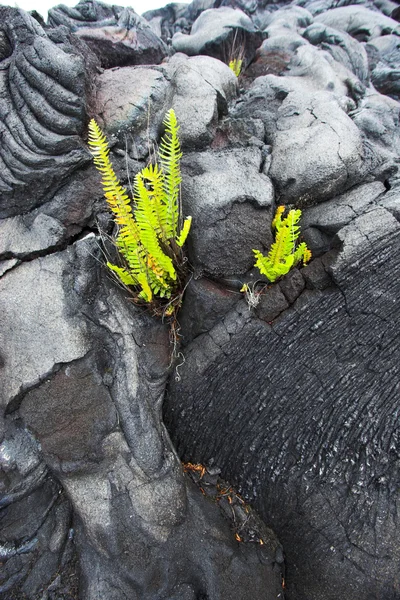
column 385, row 72
column 206, row 302
column 331, row 157
column 292, row 284
column 202, row 87
column 221, row 33
column 342, row 47
column 272, row 303
column 316, row 276
column 391, row 201
column 171, row 18
column 85, row 14
column 287, row 18
column 36, row 351
column 377, row 117
column 331, row 216
column 133, row 99
column 23, row 235
column 83, row 373
column 230, row 206
column 310, row 414
column 117, row 35
column 43, row 100
column 131, row 41
column 359, row 22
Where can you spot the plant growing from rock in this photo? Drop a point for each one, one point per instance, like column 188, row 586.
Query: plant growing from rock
column 284, row 253
column 236, row 65
column 151, row 232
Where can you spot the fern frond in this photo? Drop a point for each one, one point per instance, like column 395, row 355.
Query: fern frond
column 307, row 255
column 170, row 155
column 236, row 65
column 116, row 196
column 282, row 247
column 184, row 232
column 277, row 220
column 283, row 253
column 146, row 294
column 302, row 253
column 147, row 223
column 153, row 177
column 123, row 275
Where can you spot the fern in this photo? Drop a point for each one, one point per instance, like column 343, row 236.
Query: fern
column 150, row 235
column 236, row 65
column 283, row 254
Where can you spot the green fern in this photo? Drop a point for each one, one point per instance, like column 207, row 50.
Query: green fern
column 236, row 66
column 151, row 234
column 283, row 254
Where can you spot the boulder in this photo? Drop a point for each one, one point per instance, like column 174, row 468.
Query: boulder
column 202, row 87
column 360, row 22
column 297, row 116
column 223, row 33
column 118, row 36
column 342, row 47
column 385, row 75
column 230, row 201
column 44, row 91
column 172, row 18
column 132, row 98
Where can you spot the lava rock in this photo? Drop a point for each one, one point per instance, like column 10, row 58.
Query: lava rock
column 43, row 102
column 223, row 33
column 293, row 422
column 117, row 35
column 271, row 304
column 360, row 22
column 231, row 209
column 206, row 302
column 385, row 73
column 342, row 47
column 332, row 151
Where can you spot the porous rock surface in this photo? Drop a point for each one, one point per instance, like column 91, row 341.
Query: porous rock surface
column 290, row 391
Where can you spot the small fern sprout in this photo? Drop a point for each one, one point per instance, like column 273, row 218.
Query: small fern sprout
column 236, row 66
column 284, row 252
column 150, row 229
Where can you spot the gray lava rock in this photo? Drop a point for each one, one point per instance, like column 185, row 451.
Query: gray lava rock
column 118, row 36
column 171, row 18
column 84, row 373
column 206, row 302
column 223, row 33
column 296, row 116
column 302, row 413
column 271, row 304
column 292, row 284
column 359, row 22
column 332, row 216
column 386, row 70
column 377, row 117
column 133, row 99
column 43, row 101
column 230, row 201
column 202, row 87
column 342, row 47
column 292, row 18
column 310, row 415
